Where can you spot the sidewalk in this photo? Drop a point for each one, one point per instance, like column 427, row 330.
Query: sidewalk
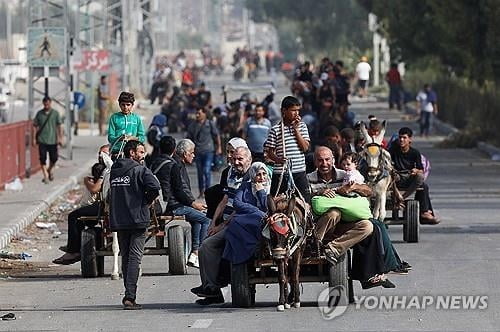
column 19, row 209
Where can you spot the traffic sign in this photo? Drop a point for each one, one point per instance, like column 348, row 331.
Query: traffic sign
column 46, row 47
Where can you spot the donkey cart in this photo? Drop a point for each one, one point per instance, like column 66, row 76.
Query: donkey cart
column 98, row 241
column 407, row 216
column 264, row 270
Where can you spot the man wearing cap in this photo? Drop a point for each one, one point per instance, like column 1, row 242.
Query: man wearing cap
column 124, row 125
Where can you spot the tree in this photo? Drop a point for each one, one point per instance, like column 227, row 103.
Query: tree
column 322, row 26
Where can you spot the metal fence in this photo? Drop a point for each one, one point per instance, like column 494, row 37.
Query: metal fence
column 18, row 157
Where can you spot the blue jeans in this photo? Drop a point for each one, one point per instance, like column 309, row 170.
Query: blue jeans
column 204, row 162
column 199, row 223
column 425, row 122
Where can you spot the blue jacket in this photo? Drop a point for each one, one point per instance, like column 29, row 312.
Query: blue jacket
column 243, row 233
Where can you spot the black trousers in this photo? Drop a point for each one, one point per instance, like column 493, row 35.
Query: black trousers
column 300, row 180
column 76, row 227
column 131, row 249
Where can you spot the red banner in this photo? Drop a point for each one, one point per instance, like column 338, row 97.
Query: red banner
column 94, row 61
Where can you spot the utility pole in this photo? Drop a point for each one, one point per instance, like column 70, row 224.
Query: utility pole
column 49, row 18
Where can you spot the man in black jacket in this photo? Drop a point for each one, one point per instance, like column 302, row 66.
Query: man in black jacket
column 132, row 189
column 176, row 189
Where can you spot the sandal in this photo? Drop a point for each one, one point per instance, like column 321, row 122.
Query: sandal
column 129, row 304
column 66, row 261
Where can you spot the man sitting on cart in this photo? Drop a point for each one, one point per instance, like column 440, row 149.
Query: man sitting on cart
column 176, row 189
column 326, row 180
column 210, row 253
column 408, row 163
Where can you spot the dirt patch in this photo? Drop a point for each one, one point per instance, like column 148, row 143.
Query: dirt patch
column 37, row 241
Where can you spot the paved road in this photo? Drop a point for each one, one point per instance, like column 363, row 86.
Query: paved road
column 456, row 257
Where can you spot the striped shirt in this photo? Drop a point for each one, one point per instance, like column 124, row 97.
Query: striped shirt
column 292, row 149
column 318, row 185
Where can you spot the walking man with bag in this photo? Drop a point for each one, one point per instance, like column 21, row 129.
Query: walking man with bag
column 49, row 134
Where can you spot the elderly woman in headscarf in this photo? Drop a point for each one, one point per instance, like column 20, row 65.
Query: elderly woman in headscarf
column 243, row 232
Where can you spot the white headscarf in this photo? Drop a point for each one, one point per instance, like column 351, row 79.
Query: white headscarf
column 252, row 172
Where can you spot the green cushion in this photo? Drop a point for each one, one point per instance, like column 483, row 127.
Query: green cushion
column 352, row 208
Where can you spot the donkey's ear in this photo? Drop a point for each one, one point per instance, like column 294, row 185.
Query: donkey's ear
column 366, row 136
column 291, row 206
column 271, row 206
column 380, row 136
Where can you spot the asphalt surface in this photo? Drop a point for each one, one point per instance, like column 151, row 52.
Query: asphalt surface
column 455, row 258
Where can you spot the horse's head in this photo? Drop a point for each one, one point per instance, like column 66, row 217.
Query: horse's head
column 372, row 152
column 280, row 210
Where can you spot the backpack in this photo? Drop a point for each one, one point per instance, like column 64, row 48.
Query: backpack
column 427, row 166
column 160, row 204
column 157, row 129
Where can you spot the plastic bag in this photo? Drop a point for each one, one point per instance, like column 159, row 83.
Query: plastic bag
column 14, row 185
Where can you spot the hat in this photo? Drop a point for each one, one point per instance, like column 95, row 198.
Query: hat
column 364, row 59
column 324, row 76
column 237, row 142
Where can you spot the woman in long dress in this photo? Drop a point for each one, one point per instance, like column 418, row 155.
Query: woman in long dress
column 243, row 232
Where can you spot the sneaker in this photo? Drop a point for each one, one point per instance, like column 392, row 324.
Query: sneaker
column 399, row 270
column 386, row 283
column 211, row 300
column 406, row 265
column 206, row 292
column 330, row 254
column 197, row 290
column 193, row 261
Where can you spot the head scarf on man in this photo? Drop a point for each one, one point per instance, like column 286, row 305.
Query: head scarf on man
column 237, row 142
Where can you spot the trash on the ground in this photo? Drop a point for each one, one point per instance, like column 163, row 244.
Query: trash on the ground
column 9, row 316
column 51, row 226
column 14, row 185
column 11, row 255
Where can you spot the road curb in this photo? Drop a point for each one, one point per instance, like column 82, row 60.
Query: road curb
column 26, row 218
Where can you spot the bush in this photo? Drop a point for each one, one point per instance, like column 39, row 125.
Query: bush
column 465, row 105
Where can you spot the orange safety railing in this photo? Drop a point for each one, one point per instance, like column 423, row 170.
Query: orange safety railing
column 18, row 157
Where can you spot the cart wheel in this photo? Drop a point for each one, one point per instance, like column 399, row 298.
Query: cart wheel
column 91, row 264
column 242, row 293
column 176, row 256
column 339, row 278
column 411, row 227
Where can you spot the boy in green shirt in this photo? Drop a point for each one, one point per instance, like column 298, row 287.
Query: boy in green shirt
column 124, row 125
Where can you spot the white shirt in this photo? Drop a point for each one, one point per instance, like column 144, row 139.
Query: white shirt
column 424, row 104
column 363, row 70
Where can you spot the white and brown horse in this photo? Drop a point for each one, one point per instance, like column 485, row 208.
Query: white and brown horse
column 380, row 170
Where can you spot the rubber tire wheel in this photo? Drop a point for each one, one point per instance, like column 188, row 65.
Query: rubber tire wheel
column 339, row 277
column 411, row 227
column 242, row 293
column 91, row 264
column 177, row 264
